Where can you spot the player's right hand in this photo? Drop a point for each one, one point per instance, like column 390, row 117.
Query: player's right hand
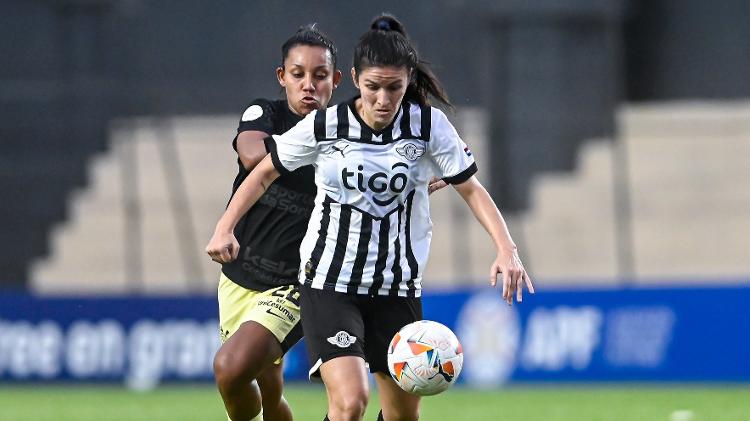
column 223, row 247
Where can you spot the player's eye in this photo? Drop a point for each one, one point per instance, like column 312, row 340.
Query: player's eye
column 321, row 76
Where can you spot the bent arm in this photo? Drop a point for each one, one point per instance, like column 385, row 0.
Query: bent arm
column 248, row 193
column 223, row 246
column 251, row 148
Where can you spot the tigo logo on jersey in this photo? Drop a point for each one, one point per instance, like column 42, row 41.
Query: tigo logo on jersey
column 378, row 182
column 467, row 151
column 342, row 339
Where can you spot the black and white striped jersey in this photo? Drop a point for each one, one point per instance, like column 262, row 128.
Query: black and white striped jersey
column 370, row 229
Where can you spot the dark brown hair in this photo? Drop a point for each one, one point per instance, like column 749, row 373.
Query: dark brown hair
column 386, row 44
column 308, row 35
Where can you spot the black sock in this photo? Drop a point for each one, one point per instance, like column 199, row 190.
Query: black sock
column 380, row 416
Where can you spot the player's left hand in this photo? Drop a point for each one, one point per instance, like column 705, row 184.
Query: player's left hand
column 514, row 276
column 435, row 184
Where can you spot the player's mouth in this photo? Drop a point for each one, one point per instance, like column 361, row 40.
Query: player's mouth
column 382, row 113
column 308, row 100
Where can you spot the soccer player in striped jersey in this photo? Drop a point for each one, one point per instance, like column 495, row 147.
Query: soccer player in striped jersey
column 258, row 293
column 368, row 238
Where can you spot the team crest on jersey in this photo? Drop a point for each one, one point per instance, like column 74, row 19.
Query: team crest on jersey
column 411, row 151
column 342, row 339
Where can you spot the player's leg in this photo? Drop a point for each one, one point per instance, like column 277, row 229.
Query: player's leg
column 347, row 388
column 258, row 328
column 239, row 361
column 395, row 403
column 271, row 382
column 386, row 316
column 334, row 335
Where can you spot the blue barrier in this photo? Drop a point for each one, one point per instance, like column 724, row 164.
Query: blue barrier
column 664, row 335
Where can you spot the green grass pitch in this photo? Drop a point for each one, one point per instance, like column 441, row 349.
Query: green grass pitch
column 528, row 403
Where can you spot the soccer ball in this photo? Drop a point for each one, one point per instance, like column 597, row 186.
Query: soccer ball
column 425, row 358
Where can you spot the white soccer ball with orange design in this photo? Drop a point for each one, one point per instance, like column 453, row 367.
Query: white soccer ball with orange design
column 425, row 358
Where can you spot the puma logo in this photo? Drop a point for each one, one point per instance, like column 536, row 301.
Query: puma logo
column 340, row 150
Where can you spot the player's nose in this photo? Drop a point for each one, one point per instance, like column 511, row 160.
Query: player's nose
column 383, row 99
column 307, row 83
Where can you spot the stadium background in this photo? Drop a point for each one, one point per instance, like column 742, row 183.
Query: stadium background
column 615, row 135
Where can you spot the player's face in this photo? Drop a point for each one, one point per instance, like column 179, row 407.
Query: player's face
column 308, row 78
column 382, row 89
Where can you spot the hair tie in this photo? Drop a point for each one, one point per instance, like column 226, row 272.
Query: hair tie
column 384, row 25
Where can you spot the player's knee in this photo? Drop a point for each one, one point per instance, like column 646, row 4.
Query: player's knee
column 228, row 372
column 350, row 407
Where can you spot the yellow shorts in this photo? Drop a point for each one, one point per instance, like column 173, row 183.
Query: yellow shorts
column 276, row 309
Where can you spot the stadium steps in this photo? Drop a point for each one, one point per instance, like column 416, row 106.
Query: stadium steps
column 687, row 167
column 690, row 173
column 687, row 172
column 89, row 252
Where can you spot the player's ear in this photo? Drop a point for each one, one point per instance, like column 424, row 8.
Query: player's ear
column 354, row 78
column 336, row 78
column 280, row 76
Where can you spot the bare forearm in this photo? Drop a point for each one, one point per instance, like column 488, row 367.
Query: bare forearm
column 256, row 183
column 507, row 263
column 484, row 209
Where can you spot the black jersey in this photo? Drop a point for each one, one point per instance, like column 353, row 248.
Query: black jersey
column 270, row 233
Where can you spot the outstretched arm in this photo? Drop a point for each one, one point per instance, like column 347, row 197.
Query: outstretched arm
column 223, row 246
column 507, row 261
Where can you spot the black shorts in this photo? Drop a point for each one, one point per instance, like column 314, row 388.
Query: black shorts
column 338, row 324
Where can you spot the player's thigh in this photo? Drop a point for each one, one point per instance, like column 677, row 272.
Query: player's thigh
column 277, row 309
column 248, row 352
column 257, row 327
column 346, row 382
column 333, row 326
column 395, row 403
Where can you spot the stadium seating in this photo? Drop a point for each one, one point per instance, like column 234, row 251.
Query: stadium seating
column 683, row 167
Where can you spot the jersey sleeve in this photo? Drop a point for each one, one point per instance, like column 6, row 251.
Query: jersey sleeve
column 258, row 116
column 295, row 148
column 452, row 159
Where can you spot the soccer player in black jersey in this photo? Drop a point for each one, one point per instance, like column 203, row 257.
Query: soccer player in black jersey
column 258, row 292
column 369, row 234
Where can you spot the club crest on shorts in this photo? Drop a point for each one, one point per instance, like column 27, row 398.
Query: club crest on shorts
column 342, row 339
column 410, row 151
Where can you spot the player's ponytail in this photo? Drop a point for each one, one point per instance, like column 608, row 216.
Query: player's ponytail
column 387, row 44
